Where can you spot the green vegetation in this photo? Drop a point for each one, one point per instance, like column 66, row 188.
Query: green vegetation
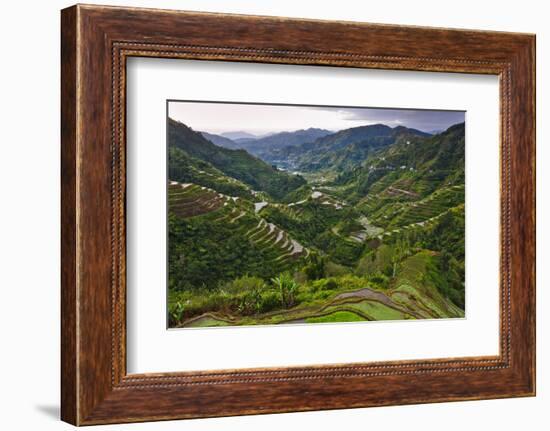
column 186, row 169
column 338, row 316
column 234, row 163
column 375, row 233
column 342, row 150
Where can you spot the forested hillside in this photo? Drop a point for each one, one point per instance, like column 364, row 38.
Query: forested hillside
column 371, row 229
column 237, row 164
column 339, row 151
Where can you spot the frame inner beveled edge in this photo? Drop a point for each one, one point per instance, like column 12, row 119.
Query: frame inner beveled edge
column 120, row 380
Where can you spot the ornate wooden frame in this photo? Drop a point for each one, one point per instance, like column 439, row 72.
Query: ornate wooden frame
column 95, row 42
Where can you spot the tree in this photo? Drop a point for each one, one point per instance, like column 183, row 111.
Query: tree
column 315, row 269
column 287, row 288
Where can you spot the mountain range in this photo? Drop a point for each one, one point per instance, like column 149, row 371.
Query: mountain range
column 239, row 135
column 263, row 147
column 316, row 149
column 341, row 150
column 416, row 163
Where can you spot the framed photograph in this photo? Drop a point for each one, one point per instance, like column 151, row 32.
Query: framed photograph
column 264, row 215
column 298, row 224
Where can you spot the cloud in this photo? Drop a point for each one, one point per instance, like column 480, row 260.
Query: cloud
column 422, row 119
column 217, row 117
column 415, row 118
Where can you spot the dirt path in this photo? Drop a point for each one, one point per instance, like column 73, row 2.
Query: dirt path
column 406, row 192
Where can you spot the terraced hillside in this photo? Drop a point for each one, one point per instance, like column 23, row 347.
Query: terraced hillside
column 268, row 249
column 412, row 296
column 388, row 212
column 382, row 238
column 186, row 169
column 237, row 164
column 341, row 150
column 188, row 200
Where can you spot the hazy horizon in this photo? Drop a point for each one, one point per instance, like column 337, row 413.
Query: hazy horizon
column 263, row 119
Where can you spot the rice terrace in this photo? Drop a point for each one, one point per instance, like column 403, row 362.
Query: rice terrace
column 284, row 214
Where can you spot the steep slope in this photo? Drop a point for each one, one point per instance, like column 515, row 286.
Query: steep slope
column 221, row 141
column 383, row 240
column 409, row 169
column 342, row 150
column 215, row 238
column 237, row 164
column 265, row 147
column 187, row 169
column 238, row 135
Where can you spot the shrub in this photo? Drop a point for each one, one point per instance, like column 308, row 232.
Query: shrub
column 269, row 301
column 287, row 288
column 352, row 282
column 175, row 312
column 315, row 269
column 379, row 279
column 217, row 300
column 330, row 285
column 324, row 284
column 300, row 277
column 334, row 269
column 245, row 283
column 323, row 295
column 249, row 303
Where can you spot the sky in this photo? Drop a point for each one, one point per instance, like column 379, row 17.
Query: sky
column 266, row 119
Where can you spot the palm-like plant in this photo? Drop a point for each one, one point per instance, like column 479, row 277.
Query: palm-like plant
column 287, row 288
column 176, row 312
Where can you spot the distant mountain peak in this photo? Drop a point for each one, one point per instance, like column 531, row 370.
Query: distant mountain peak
column 401, row 128
column 377, row 126
column 239, row 134
column 456, row 127
column 221, row 141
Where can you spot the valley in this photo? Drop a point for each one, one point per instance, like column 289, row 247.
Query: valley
column 362, row 224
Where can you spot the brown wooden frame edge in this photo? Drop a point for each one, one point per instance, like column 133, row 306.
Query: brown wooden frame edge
column 95, row 43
